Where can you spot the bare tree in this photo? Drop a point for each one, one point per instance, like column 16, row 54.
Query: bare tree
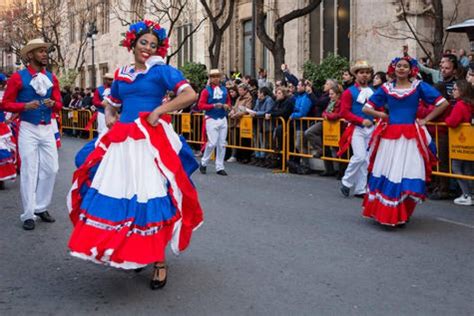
column 276, row 45
column 169, row 12
column 219, row 22
column 46, row 19
column 432, row 44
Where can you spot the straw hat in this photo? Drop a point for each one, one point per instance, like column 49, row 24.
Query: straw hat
column 32, row 45
column 109, row 76
column 360, row 64
column 215, row 72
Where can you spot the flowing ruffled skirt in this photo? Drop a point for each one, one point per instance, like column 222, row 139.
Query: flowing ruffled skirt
column 7, row 153
column 401, row 158
column 133, row 195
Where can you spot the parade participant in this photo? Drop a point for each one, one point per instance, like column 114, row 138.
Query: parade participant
column 99, row 94
column 7, row 145
column 215, row 101
column 133, row 194
column 401, row 151
column 34, row 93
column 359, row 131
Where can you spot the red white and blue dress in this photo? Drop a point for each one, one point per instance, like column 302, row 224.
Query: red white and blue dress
column 7, row 151
column 401, row 153
column 132, row 194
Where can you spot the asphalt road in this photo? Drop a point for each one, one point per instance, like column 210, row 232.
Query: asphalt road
column 271, row 244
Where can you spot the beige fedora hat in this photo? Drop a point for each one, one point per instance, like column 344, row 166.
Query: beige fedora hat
column 215, row 72
column 109, row 76
column 360, row 64
column 31, row 45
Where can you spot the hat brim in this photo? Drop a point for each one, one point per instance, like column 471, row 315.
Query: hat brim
column 28, row 48
column 357, row 68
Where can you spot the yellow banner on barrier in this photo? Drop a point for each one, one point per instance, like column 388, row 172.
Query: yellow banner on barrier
column 331, row 133
column 75, row 117
column 461, row 143
column 246, row 127
column 186, row 123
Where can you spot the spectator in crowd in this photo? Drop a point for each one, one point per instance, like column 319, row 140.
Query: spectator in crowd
column 215, row 101
column 87, row 100
column 76, row 101
column 253, row 86
column 470, row 74
column 243, row 103
column 314, row 134
column 323, row 100
column 233, row 94
column 462, row 112
column 283, row 108
column 379, row 79
column 449, row 67
column 262, row 78
column 261, row 132
column 301, row 109
column 290, row 78
column 360, row 131
column 347, row 79
column 463, row 59
column 66, row 95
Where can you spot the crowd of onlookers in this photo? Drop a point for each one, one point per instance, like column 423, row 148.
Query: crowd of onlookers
column 295, row 98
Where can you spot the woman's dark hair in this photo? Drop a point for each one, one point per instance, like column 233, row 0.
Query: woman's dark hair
column 382, row 75
column 233, row 88
column 265, row 91
column 466, row 91
column 140, row 34
column 253, row 82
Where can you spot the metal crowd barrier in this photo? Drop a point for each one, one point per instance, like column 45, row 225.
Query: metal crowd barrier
column 259, row 135
column 451, row 143
column 251, row 134
column 76, row 120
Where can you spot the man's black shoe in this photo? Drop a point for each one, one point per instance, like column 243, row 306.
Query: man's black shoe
column 45, row 217
column 222, row 173
column 29, row 224
column 345, row 191
column 202, row 169
column 360, row 196
column 327, row 174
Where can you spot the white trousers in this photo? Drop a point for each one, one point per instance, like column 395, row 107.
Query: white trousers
column 101, row 126
column 39, row 165
column 216, row 131
column 356, row 172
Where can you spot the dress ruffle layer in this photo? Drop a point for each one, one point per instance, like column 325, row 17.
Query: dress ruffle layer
column 401, row 158
column 133, row 195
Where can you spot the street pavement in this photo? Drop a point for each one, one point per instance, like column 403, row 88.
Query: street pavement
column 271, row 244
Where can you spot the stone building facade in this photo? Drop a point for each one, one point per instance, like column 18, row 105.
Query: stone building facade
column 356, row 29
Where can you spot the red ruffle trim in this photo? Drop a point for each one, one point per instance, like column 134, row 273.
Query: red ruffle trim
column 389, row 215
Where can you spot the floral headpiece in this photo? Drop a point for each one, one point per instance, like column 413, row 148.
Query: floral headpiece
column 413, row 65
column 136, row 28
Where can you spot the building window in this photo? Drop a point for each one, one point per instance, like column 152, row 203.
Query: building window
column 137, row 10
column 72, row 22
column 104, row 16
column 104, row 68
column 330, row 27
column 185, row 54
column 247, row 38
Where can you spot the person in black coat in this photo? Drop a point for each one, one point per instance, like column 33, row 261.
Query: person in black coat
column 283, row 108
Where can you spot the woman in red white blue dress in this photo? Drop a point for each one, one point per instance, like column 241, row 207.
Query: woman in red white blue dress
column 7, row 145
column 132, row 194
column 401, row 151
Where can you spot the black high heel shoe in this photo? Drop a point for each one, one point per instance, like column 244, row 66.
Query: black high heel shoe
column 155, row 282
